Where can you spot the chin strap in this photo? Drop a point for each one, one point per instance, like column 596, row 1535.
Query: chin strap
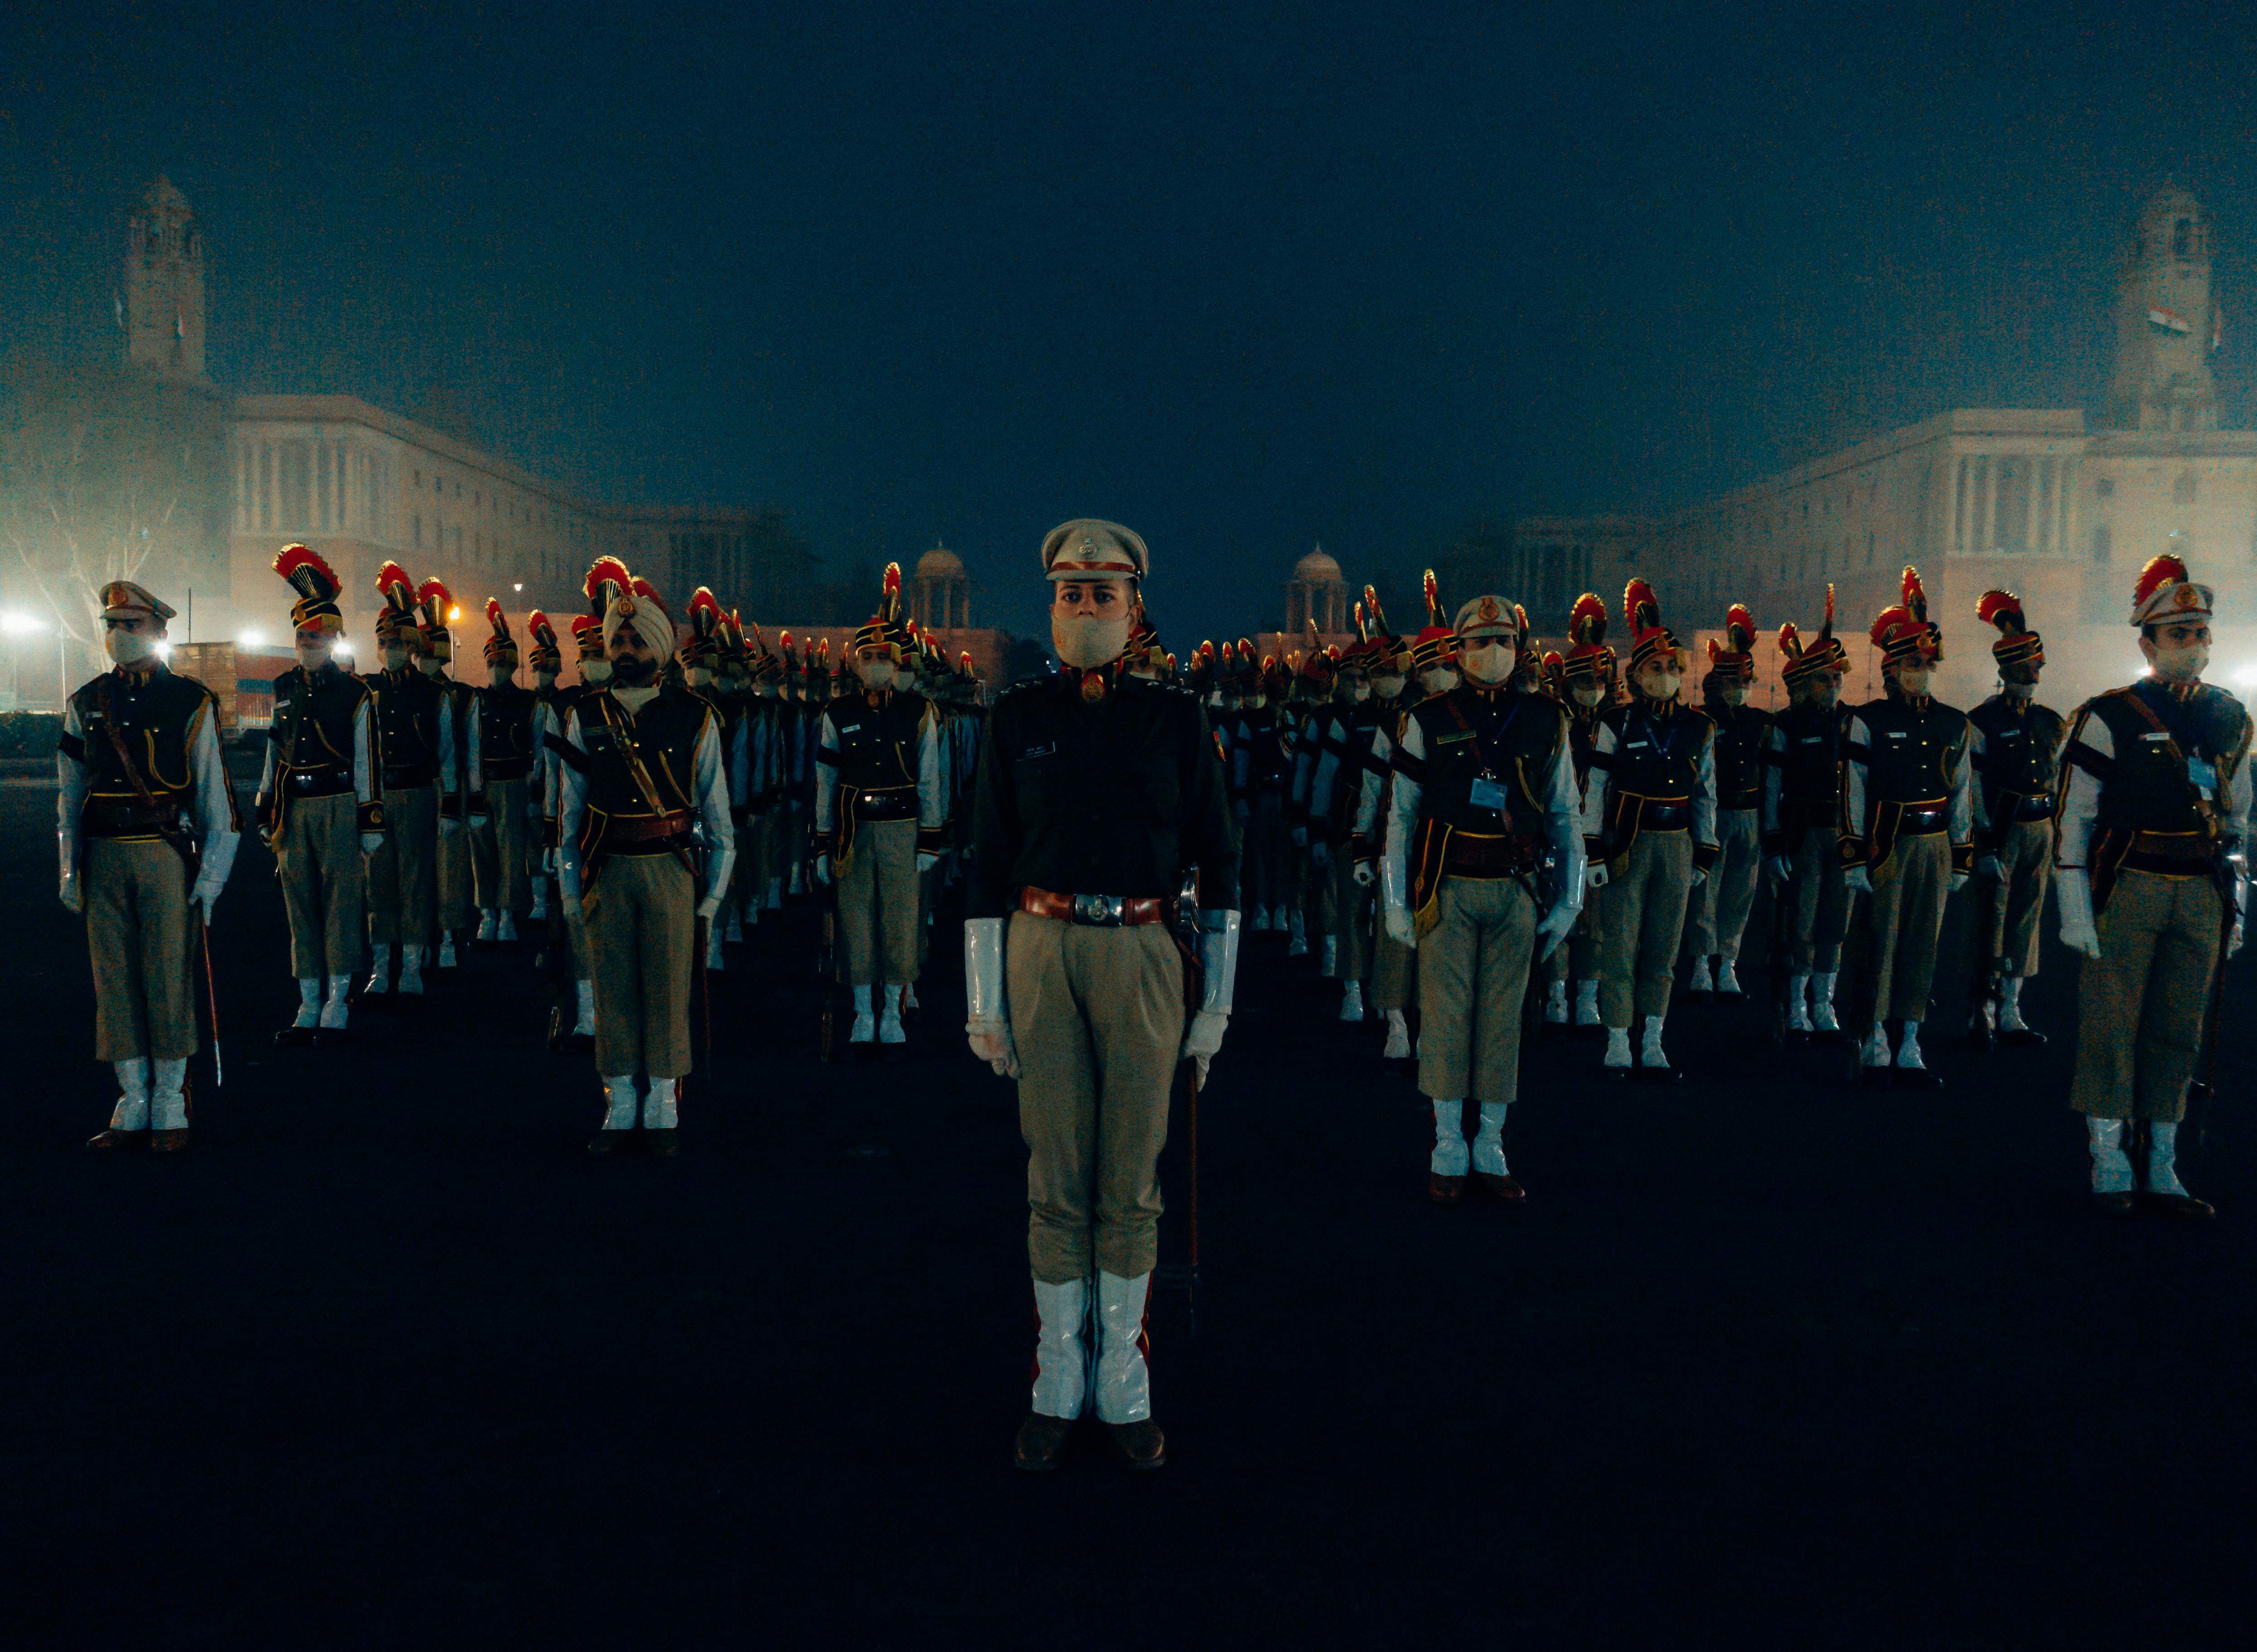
column 1218, row 949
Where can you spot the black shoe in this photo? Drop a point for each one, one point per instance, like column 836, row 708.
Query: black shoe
column 614, row 1142
column 118, row 1140
column 332, row 1037
column 1915, row 1079
column 1616, row 1075
column 2184, row 1206
column 1872, row 1075
column 1041, row 1443
column 662, row 1144
column 2116, row 1204
column 2028, row 1038
column 294, row 1035
column 580, row 1043
column 1141, row 1444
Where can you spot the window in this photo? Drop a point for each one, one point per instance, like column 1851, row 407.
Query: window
column 2100, row 545
column 418, row 478
column 419, row 533
column 2182, row 239
column 2104, row 487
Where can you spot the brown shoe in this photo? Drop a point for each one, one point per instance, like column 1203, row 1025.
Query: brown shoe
column 614, row 1142
column 1503, row 1188
column 1444, row 1189
column 118, row 1140
column 1042, row 1443
column 663, row 1143
column 1141, row 1444
column 168, row 1140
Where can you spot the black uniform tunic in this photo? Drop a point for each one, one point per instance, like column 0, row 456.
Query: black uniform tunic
column 1111, row 796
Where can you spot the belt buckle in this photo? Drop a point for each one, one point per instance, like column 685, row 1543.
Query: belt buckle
column 1098, row 909
column 301, row 781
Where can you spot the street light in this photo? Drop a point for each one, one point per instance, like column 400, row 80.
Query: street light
column 20, row 625
column 252, row 639
column 519, row 587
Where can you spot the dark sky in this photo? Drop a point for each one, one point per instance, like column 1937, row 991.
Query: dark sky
column 1244, row 278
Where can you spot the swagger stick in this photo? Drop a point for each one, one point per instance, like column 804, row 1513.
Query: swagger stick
column 211, row 998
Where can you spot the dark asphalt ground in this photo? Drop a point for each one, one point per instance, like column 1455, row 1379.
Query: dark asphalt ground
column 386, row 1360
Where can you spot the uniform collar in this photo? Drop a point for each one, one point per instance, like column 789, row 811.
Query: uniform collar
column 1095, row 682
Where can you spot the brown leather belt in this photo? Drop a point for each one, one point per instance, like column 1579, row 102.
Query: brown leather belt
column 1659, row 816
column 1919, row 819
column 643, row 829
column 126, row 817
column 2187, row 846
column 1471, row 855
column 1106, row 911
column 2036, row 806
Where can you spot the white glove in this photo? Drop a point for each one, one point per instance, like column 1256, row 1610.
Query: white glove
column 1958, row 882
column 1781, row 868
column 206, row 896
column 370, row 842
column 2072, row 890
column 991, row 1041
column 449, row 827
column 1556, row 922
column 1362, row 873
column 1860, row 878
column 1204, row 1038
column 710, row 905
column 71, row 896
column 1321, row 854
column 1986, row 867
column 1400, row 929
column 927, row 860
column 2233, row 939
column 1700, row 877
column 1300, row 837
column 1594, row 874
column 822, row 869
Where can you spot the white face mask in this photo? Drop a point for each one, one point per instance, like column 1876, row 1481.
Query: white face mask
column 395, row 656
column 1387, row 686
column 1255, row 702
column 128, row 647
column 699, row 676
column 1358, row 693
column 876, row 672
column 596, row 670
column 500, row 676
column 1439, row 680
column 1085, row 642
column 1662, row 686
column 1912, row 679
column 314, row 653
column 1587, row 693
column 2185, row 663
column 1488, row 663
column 430, row 665
column 1734, row 694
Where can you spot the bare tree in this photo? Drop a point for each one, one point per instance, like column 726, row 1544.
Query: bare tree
column 106, row 473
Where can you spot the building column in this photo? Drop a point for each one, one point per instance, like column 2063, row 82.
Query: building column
column 2030, row 506
column 1987, row 523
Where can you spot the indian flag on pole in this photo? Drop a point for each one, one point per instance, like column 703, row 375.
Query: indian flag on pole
column 2165, row 320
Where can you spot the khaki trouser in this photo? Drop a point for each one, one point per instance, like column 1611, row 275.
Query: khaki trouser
column 324, row 885
column 2140, row 1003
column 641, row 926
column 2016, row 898
column 403, row 871
column 1719, row 913
column 140, row 940
column 1640, row 924
column 1821, row 903
column 1098, row 1017
column 453, row 904
column 498, row 848
column 878, row 907
column 1473, row 974
column 1906, row 904
column 1352, row 907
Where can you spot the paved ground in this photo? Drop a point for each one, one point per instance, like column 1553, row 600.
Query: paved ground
column 386, row 1360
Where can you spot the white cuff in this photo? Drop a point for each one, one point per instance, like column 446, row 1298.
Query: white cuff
column 983, row 971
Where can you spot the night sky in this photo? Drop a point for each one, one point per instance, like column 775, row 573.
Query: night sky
column 1244, row 278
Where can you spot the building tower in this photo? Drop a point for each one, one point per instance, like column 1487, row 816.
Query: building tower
column 940, row 596
column 165, row 285
column 2166, row 321
column 1317, row 592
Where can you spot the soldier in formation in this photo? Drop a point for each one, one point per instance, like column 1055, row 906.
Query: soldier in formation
column 416, row 739
column 1908, row 835
column 1101, row 833
column 2015, row 748
column 1719, row 914
column 146, row 828
column 1587, row 678
column 2153, row 878
column 1802, row 826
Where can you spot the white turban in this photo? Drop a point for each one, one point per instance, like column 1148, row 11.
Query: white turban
column 648, row 619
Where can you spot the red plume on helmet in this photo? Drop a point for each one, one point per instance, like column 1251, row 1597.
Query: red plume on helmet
column 1649, row 638
column 317, row 586
column 608, row 580
column 2017, row 645
column 2159, row 572
column 705, row 617
column 1905, row 630
column 1587, row 655
column 501, row 647
column 397, row 587
column 1436, row 643
column 1739, row 629
column 435, row 599
column 546, row 655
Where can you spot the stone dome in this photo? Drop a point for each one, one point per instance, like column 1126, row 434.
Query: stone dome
column 1317, row 568
column 940, row 562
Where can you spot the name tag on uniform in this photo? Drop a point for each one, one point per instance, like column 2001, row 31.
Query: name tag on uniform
column 1894, row 734
column 1813, row 739
column 282, row 705
column 2010, row 734
column 1037, row 750
column 1635, row 745
column 1448, row 739
column 2204, row 773
column 2158, row 737
column 1489, row 793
